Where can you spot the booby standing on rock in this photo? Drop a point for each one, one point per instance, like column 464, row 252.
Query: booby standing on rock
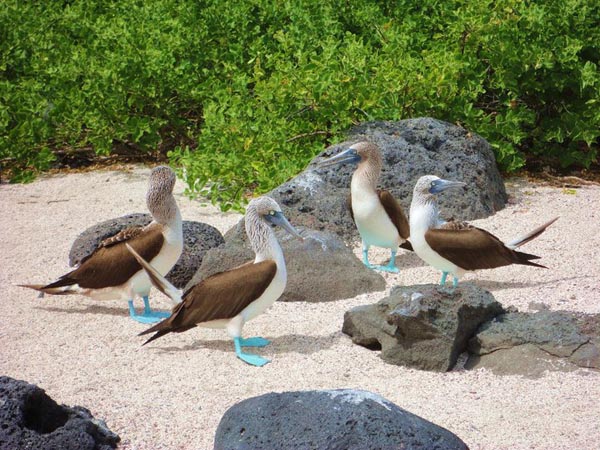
column 229, row 299
column 457, row 247
column 111, row 272
column 378, row 216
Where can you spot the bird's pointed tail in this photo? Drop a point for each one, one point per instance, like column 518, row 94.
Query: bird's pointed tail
column 50, row 289
column 516, row 243
column 159, row 282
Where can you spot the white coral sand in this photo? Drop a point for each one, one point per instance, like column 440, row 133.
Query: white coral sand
column 172, row 393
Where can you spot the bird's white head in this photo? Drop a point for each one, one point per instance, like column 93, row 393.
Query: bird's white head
column 430, row 185
column 361, row 152
column 267, row 209
column 159, row 198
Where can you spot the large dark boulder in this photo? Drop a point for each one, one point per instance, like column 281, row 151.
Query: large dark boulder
column 529, row 344
column 30, row 419
column 422, row 326
column 198, row 238
column 321, row 268
column 343, row 419
column 411, row 148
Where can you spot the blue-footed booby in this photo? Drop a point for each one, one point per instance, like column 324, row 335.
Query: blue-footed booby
column 229, row 299
column 457, row 247
column 380, row 220
column 111, row 272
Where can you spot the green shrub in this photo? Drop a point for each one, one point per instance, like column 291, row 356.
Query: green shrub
column 244, row 93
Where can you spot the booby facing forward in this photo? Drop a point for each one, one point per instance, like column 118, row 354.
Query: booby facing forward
column 380, row 220
column 111, row 272
column 457, row 247
column 229, row 299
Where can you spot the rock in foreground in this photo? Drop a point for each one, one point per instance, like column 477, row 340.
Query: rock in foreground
column 198, row 238
column 422, row 326
column 29, row 419
column 338, row 419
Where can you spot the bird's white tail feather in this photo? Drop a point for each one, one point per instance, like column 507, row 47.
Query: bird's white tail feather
column 159, row 282
column 515, row 243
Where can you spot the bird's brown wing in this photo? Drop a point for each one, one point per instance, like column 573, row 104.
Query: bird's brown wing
column 221, row 296
column 395, row 213
column 113, row 265
column 469, row 247
column 124, row 235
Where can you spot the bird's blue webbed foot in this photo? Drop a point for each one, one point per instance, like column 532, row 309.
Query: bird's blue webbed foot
column 148, row 316
column 391, row 266
column 253, row 360
column 365, row 259
column 254, row 342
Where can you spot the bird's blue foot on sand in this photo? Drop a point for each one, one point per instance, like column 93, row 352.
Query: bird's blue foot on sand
column 443, row 280
column 254, row 342
column 148, row 316
column 391, row 266
column 253, row 360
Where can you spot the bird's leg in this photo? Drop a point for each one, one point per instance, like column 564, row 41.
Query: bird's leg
column 365, row 252
column 455, row 282
column 391, row 266
column 146, row 317
column 149, row 313
column 254, row 342
column 253, row 360
column 444, row 276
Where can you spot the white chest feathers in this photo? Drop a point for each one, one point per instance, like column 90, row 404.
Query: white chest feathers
column 372, row 221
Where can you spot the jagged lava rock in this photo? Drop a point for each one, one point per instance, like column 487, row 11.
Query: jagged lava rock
column 321, row 268
column 316, row 198
column 198, row 238
column 30, row 419
column 422, row 326
column 529, row 344
column 337, row 419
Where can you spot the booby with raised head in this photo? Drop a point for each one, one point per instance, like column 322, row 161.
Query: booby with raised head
column 111, row 272
column 457, row 247
column 380, row 220
column 229, row 299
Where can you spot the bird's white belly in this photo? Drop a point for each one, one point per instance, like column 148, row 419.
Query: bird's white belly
column 271, row 294
column 430, row 256
column 374, row 225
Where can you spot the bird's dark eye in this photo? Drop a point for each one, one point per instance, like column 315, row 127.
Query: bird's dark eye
column 432, row 183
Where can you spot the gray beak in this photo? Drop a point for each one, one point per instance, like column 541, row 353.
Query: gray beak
column 441, row 185
column 279, row 219
column 347, row 156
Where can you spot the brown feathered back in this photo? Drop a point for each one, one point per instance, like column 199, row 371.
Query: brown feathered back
column 221, row 296
column 472, row 248
column 111, row 264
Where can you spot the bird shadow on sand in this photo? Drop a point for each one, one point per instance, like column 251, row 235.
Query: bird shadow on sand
column 492, row 285
column 289, row 343
column 90, row 309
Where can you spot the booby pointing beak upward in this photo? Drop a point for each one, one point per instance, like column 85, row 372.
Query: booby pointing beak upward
column 378, row 216
column 229, row 299
column 456, row 247
column 111, row 272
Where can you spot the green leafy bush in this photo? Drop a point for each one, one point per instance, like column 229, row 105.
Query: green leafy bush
column 244, row 93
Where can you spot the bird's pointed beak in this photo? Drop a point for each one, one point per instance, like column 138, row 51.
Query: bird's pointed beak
column 442, row 185
column 279, row 219
column 347, row 156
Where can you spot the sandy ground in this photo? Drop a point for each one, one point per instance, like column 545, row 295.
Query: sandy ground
column 172, row 393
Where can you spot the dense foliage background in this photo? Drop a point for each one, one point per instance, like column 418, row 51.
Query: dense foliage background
column 244, row 93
